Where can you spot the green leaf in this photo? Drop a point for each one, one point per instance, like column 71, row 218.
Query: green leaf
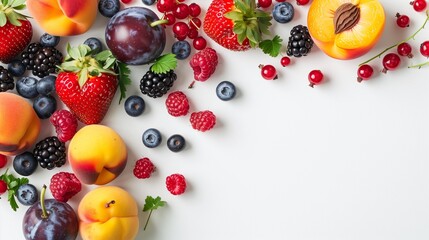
column 83, row 76
column 164, row 63
column 83, row 50
column 103, row 55
column 153, row 203
column 239, row 27
column 3, row 19
column 271, row 47
column 20, row 7
column 109, row 63
column 234, row 16
column 17, row 3
column 13, row 184
column 124, row 78
column 241, row 6
column 4, row 2
column 12, row 17
column 74, row 53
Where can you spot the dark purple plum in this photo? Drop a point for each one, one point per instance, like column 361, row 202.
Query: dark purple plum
column 135, row 36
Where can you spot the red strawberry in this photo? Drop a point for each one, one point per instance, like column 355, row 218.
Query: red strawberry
column 15, row 30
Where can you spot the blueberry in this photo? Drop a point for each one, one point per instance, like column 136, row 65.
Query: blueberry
column 176, row 143
column 25, row 164
column 108, row 8
column 26, row 87
column 225, row 90
column 283, row 12
column 134, row 106
column 148, row 2
column 27, row 194
column 16, row 68
column 182, row 49
column 45, row 106
column 95, row 44
column 151, row 138
column 48, row 40
column 46, row 85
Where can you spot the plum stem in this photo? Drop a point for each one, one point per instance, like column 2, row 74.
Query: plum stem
column 396, row 44
column 42, row 202
column 110, row 203
column 158, row 22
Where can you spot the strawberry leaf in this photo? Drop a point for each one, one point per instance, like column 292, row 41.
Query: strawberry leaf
column 17, row 3
column 152, row 204
column 164, row 63
column 103, row 55
column 3, row 19
column 271, row 47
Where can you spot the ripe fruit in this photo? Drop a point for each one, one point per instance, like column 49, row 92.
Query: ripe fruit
column 199, row 43
column 300, row 42
column 151, row 138
column 47, row 40
column 264, row 3
column 364, row 72
column 46, row 85
column 3, row 161
column 25, row 164
column 16, row 68
column 419, row 5
column 402, row 20
column 285, row 61
column 6, row 80
column 156, row 85
column 203, row 120
column 225, row 90
column 3, row 187
column 315, row 77
column 181, row 11
column 404, row 49
column 204, row 64
column 135, row 36
column 108, row 8
column 176, row 143
column 176, row 184
column 143, row 168
column 65, row 124
column 177, row 104
column 45, row 106
column 95, row 44
column 283, row 12
column 194, row 10
column 390, row 62
column 64, row 185
column 424, row 48
column 268, row 72
column 26, row 87
column 41, row 60
column 134, row 106
column 182, row 49
column 27, row 194
column 50, row 153
column 302, row 2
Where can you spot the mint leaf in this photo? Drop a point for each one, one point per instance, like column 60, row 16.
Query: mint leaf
column 271, row 47
column 150, row 205
column 164, row 63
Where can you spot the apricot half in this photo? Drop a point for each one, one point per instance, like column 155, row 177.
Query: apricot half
column 346, row 29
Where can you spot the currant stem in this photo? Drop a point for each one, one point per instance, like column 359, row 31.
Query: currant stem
column 396, row 44
column 419, row 65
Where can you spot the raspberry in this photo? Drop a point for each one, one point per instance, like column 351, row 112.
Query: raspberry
column 143, row 168
column 65, row 124
column 3, row 187
column 203, row 121
column 64, row 185
column 177, row 104
column 3, row 160
column 176, row 184
column 204, row 64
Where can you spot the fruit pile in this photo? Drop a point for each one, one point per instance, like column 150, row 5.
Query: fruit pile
column 34, row 76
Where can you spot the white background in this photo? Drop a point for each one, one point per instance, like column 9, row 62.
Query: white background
column 343, row 160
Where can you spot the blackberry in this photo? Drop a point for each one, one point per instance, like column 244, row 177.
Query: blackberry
column 157, row 84
column 41, row 60
column 50, row 153
column 6, row 80
column 300, row 42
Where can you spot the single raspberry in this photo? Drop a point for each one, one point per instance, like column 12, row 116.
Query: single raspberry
column 143, row 168
column 3, row 187
column 203, row 120
column 177, row 104
column 65, row 124
column 176, row 184
column 3, row 160
column 64, row 185
column 204, row 64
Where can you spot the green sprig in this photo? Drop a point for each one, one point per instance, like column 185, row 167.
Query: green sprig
column 150, row 205
column 13, row 183
column 164, row 63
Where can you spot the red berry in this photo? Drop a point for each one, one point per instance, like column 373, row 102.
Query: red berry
column 180, row 29
column 302, row 2
column 364, row 72
column 268, row 72
column 3, row 160
column 264, row 3
column 402, row 20
column 193, row 33
column 285, row 61
column 195, row 23
column 194, row 10
column 204, row 64
column 126, row 1
column 419, row 5
column 143, row 168
column 203, row 120
column 177, row 104
column 390, row 62
column 165, row 6
column 424, row 48
column 315, row 77
column 64, row 185
column 404, row 49
column 176, row 184
column 65, row 124
column 3, row 187
column 199, row 43
column 170, row 18
column 181, row 11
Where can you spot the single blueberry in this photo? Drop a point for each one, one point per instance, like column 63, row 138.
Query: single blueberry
column 134, row 106
column 25, row 164
column 48, row 40
column 26, row 87
column 148, row 2
column 27, row 194
column 151, row 138
column 176, row 143
column 46, row 85
column 108, row 8
column 16, row 68
column 95, row 44
column 225, row 90
column 182, row 49
column 45, row 106
column 283, row 12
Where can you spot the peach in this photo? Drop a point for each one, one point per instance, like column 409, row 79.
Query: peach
column 346, row 29
column 97, row 154
column 108, row 213
column 19, row 124
column 63, row 17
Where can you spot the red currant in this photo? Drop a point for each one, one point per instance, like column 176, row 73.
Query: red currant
column 402, row 20
column 126, row 1
column 199, row 43
column 268, row 72
column 194, row 10
column 302, row 2
column 419, row 5
column 3, row 160
column 404, row 49
column 193, row 33
column 285, row 61
column 264, row 3
column 180, row 30
column 3, row 187
column 315, row 77
column 181, row 11
column 424, row 48
column 165, row 6
column 390, row 62
column 364, row 72
column 170, row 18
column 195, row 23
column 280, row 0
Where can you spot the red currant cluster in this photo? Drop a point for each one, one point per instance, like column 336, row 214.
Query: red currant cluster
column 184, row 20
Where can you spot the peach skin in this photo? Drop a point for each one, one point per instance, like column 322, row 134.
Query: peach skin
column 63, row 17
column 97, row 154
column 19, row 124
column 346, row 29
column 108, row 213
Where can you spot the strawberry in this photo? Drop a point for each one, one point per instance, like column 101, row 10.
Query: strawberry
column 238, row 25
column 86, row 86
column 15, row 30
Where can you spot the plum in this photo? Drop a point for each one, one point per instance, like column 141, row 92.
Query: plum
column 135, row 36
